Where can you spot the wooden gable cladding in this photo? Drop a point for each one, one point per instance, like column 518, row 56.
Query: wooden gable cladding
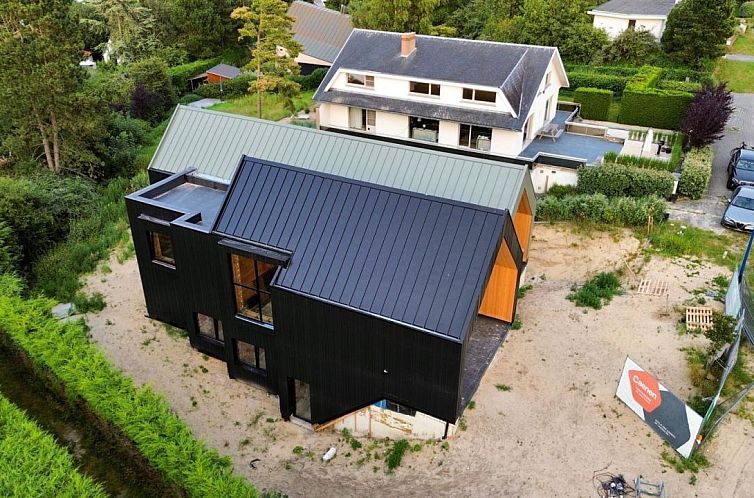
column 500, row 297
column 523, row 221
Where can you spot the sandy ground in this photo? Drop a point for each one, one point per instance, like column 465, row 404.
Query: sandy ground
column 558, row 424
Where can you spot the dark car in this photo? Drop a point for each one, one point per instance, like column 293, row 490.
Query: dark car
column 739, row 215
column 741, row 167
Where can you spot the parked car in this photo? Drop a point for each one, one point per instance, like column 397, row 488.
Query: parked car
column 741, row 166
column 739, row 215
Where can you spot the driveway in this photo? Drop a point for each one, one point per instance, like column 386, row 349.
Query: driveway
column 706, row 212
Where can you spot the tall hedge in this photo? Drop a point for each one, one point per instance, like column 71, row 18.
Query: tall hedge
column 696, row 173
column 614, row 83
column 746, row 9
column 620, row 180
column 595, row 102
column 181, row 74
column 645, row 105
column 598, row 208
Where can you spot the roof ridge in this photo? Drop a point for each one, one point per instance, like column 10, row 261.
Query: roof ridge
column 455, row 38
column 320, row 9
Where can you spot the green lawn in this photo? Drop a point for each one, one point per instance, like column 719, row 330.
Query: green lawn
column 273, row 106
column 738, row 75
column 744, row 44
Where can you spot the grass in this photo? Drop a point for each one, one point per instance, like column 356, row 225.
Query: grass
column 744, row 44
column 273, row 105
column 738, row 75
column 33, row 464
column 63, row 351
column 395, row 455
column 521, row 293
column 597, row 291
column 503, row 387
column 693, row 464
column 674, row 240
column 87, row 304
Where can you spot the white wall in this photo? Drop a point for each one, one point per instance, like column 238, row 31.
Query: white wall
column 614, row 25
column 391, row 124
column 506, row 142
column 381, row 423
column 545, row 176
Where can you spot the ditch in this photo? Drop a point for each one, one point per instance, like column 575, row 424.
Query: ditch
column 97, row 455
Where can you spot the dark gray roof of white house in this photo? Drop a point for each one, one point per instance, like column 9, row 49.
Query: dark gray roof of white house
column 637, row 7
column 320, row 30
column 224, row 70
column 517, row 70
column 411, row 258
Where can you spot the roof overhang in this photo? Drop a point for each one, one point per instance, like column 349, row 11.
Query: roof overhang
column 620, row 15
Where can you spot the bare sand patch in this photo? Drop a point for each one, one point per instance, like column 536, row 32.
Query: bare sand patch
column 557, row 424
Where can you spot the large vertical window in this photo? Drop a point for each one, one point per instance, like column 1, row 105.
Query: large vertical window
column 251, row 282
column 251, row 356
column 209, row 328
column 162, row 249
column 476, row 137
column 361, row 119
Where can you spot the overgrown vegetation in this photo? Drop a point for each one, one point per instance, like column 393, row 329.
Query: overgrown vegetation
column 33, row 464
column 395, row 455
column 597, row 291
column 674, row 240
column 619, row 180
column 598, row 208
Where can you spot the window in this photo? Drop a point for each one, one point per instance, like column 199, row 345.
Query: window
column 360, row 79
column 251, row 356
column 302, row 401
column 162, row 249
column 632, row 24
column 548, row 79
column 251, row 282
column 423, row 128
column 361, row 119
column 209, row 328
column 424, row 88
column 476, row 137
column 479, row 95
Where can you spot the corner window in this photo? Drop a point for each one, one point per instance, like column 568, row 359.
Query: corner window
column 162, row 249
column 479, row 95
column 360, row 79
column 209, row 328
column 475, row 137
column 251, row 356
column 251, row 282
column 424, row 88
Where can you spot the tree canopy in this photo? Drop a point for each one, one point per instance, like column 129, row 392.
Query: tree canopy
column 697, row 30
column 394, row 15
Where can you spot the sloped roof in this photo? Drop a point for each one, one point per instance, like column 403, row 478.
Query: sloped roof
column 213, row 143
column 415, row 259
column 658, row 8
column 224, row 70
column 320, row 30
column 517, row 70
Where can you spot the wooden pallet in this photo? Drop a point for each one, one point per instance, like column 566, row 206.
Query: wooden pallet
column 699, row 317
column 652, row 287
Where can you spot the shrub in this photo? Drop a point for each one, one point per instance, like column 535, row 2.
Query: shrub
column 746, row 10
column 597, row 208
column 228, row 89
column 153, row 94
column 118, row 152
column 596, row 291
column 632, row 46
column 680, row 86
column 644, row 104
column 683, row 74
column 620, row 180
column 395, row 455
column 562, row 190
column 63, row 350
column 180, row 74
column 616, row 70
column 614, row 83
column 189, row 98
column 696, row 173
column 639, row 162
column 595, row 102
column 33, row 464
column 707, row 116
column 311, row 81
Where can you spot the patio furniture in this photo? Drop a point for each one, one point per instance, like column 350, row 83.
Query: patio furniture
column 551, row 130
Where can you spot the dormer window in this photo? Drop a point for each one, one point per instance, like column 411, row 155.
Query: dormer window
column 479, row 95
column 424, row 88
column 360, row 80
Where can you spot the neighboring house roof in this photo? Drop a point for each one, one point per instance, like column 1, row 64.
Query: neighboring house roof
column 222, row 70
column 659, row 8
column 517, row 70
column 213, row 142
column 414, row 259
column 321, row 31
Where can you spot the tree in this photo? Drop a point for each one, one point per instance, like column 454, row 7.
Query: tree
column 130, row 26
column 153, row 93
column 267, row 23
column 471, row 18
column 707, row 116
column 697, row 30
column 204, row 27
column 631, row 47
column 394, row 15
column 41, row 85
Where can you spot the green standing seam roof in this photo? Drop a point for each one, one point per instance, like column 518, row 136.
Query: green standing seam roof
column 214, row 142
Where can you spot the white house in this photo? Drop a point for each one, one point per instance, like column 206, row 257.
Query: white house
column 468, row 94
column 616, row 16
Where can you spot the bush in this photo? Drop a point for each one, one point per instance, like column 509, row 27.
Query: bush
column 639, row 162
column 189, row 98
column 631, row 47
column 180, row 75
column 696, row 173
column 153, row 94
column 311, row 81
column 654, row 108
column 746, row 10
column 597, row 208
column 708, row 115
column 683, row 74
column 32, row 463
column 614, row 83
column 562, row 190
column 395, row 455
column 615, row 70
column 619, row 180
column 595, row 102
column 125, row 136
column 63, row 350
column 680, row 86
column 228, row 89
column 596, row 291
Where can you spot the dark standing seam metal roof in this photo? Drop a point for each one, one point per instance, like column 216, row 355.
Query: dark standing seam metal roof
column 517, row 70
column 225, row 71
column 321, row 31
column 410, row 258
column 637, row 7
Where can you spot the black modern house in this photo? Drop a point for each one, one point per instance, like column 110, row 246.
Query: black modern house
column 330, row 291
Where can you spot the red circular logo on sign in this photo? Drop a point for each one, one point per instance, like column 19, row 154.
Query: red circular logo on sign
column 645, row 389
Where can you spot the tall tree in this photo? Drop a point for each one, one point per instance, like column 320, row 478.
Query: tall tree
column 697, row 30
column 41, row 83
column 394, row 15
column 204, row 26
column 267, row 24
column 707, row 116
column 130, row 26
column 631, row 47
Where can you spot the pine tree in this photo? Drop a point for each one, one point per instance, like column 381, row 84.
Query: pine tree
column 697, row 30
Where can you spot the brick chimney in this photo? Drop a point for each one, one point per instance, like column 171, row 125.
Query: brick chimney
column 408, row 43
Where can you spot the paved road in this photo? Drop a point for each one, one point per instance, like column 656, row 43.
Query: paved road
column 706, row 212
column 740, row 57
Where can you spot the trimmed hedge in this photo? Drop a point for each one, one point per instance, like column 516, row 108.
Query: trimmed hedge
column 680, row 86
column 595, row 102
column 746, row 9
column 32, row 463
column 614, row 83
column 697, row 170
column 181, row 74
column 598, row 208
column 236, row 87
column 619, row 180
column 626, row 71
column 63, row 350
column 645, row 105
column 682, row 74
column 312, row 80
column 639, row 162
